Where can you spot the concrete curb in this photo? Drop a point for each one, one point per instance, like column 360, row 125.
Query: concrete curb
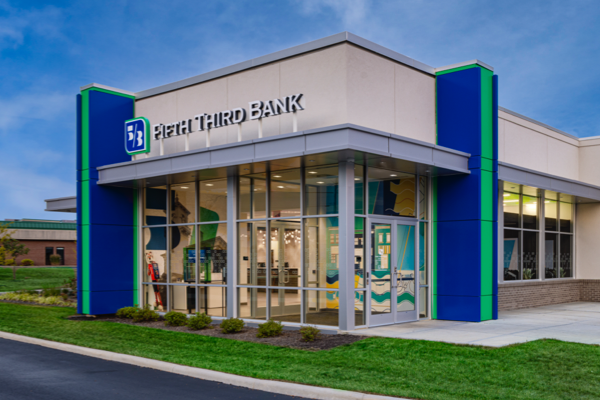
column 290, row 389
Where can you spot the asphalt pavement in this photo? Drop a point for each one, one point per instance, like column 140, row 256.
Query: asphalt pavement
column 31, row 372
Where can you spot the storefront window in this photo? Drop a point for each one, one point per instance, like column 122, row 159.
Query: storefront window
column 391, row 193
column 155, row 254
column 566, row 217
column 558, row 244
column 183, row 203
column 252, row 201
column 285, row 252
column 322, row 307
column 359, row 189
column 183, row 254
column 213, row 200
column 252, row 253
column 566, row 256
column 212, row 257
column 530, row 255
column 512, row 255
column 551, row 258
column 252, row 303
column 512, row 206
column 321, row 190
column 285, row 305
column 155, row 206
column 321, row 252
column 285, row 193
column 359, row 253
column 422, row 197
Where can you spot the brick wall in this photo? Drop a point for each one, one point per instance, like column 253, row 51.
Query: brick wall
column 37, row 251
column 513, row 296
column 590, row 290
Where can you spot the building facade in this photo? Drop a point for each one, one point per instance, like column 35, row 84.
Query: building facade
column 336, row 183
column 44, row 238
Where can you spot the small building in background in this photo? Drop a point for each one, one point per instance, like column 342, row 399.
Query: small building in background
column 44, row 238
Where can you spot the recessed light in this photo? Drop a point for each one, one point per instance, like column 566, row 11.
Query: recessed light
column 393, row 175
column 185, row 187
column 280, row 187
column 357, row 179
column 209, row 184
column 506, row 194
column 276, row 176
column 312, row 172
column 320, row 182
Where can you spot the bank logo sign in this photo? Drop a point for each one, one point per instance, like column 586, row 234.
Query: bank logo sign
column 137, row 136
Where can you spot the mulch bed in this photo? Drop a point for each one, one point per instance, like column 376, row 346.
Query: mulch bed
column 289, row 338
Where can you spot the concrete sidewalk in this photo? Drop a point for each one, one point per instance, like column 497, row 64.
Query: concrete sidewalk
column 572, row 322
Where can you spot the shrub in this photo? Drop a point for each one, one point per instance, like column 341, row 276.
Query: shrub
column 309, row 333
column 51, row 292
column 174, row 318
column 126, row 312
column 199, row 321
column 269, row 329
column 54, row 259
column 145, row 314
column 71, row 284
column 232, row 325
column 9, row 262
column 27, row 262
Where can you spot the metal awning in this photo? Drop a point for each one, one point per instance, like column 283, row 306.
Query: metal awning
column 311, row 147
column 62, row 204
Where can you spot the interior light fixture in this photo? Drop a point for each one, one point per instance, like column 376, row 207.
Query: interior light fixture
column 357, row 179
column 185, row 187
column 280, row 187
column 510, row 201
column 506, row 195
column 393, row 175
column 312, row 172
column 276, row 176
column 209, row 184
column 320, row 182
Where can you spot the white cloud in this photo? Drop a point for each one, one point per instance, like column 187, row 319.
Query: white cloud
column 32, row 107
column 18, row 23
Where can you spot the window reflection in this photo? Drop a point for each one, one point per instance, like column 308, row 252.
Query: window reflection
column 391, row 192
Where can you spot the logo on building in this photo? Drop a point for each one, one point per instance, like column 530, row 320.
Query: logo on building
column 137, row 136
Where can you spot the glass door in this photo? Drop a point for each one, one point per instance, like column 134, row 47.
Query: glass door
column 393, row 277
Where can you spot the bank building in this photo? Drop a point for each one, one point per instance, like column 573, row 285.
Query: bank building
column 336, row 183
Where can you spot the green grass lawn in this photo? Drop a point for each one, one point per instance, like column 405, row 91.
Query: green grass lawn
column 545, row 369
column 33, row 278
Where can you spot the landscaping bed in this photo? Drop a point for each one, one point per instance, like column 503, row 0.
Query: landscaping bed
column 288, row 338
column 542, row 369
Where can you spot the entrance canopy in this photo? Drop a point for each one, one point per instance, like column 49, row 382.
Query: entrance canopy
column 312, row 147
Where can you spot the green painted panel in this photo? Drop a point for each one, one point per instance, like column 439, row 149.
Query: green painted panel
column 135, row 246
column 487, row 195
column 85, row 124
column 487, row 123
column 486, row 308
column 111, row 92
column 449, row 71
column 487, row 257
column 487, row 164
column 85, row 259
column 434, row 249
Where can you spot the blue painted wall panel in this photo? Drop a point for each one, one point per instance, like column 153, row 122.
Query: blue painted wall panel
column 459, row 197
column 109, row 302
column 459, row 258
column 459, row 110
column 108, row 114
column 111, row 257
column 459, row 308
column 110, row 205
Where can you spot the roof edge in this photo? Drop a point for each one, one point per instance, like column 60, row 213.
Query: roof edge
column 533, row 121
column 464, row 64
column 112, row 89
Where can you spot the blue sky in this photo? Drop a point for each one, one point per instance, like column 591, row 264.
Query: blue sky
column 544, row 52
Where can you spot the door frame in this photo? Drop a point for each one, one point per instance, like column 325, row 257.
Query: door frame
column 395, row 316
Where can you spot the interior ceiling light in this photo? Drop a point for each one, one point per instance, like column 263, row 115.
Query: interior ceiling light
column 185, row 187
column 209, row 184
column 357, row 179
column 276, row 176
column 393, row 175
column 280, row 187
column 320, row 182
column 506, row 194
column 312, row 172
column 510, row 201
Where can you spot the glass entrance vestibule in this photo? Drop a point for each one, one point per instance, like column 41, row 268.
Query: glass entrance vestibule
column 339, row 245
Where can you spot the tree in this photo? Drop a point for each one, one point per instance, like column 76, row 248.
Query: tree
column 11, row 247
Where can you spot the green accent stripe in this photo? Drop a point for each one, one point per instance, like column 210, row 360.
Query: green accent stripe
column 135, row 247
column 110, row 92
column 487, row 123
column 449, row 71
column 434, row 199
